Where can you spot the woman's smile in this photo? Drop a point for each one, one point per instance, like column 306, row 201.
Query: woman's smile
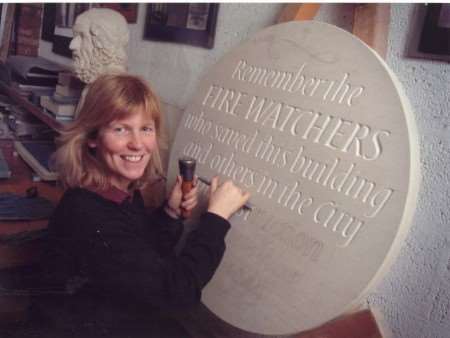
column 132, row 158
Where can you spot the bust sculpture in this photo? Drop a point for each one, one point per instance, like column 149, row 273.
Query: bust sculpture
column 99, row 44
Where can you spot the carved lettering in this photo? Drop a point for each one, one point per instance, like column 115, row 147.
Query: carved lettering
column 289, row 235
column 320, row 127
column 198, row 123
column 336, row 133
column 272, row 153
column 330, row 216
column 212, row 96
column 295, row 199
column 332, row 132
column 356, row 92
column 197, row 151
column 267, row 186
column 299, row 82
column 307, row 125
column 378, row 201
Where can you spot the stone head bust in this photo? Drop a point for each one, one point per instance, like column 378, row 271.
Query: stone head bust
column 99, row 44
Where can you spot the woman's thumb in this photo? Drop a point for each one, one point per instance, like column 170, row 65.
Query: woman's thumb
column 214, row 184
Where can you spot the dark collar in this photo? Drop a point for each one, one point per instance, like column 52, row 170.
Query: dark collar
column 113, row 194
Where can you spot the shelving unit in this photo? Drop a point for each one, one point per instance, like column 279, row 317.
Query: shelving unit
column 28, row 252
column 32, row 108
column 22, row 175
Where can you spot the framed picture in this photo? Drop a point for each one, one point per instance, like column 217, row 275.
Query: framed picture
column 48, row 22
column 128, row 10
column 431, row 34
column 187, row 23
column 59, row 18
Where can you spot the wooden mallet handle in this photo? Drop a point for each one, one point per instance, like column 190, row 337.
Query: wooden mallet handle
column 187, row 170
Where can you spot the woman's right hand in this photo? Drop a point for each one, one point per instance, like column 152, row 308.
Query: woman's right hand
column 225, row 199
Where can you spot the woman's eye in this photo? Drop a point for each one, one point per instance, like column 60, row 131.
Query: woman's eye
column 148, row 129
column 119, row 130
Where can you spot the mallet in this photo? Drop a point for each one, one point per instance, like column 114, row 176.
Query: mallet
column 187, row 170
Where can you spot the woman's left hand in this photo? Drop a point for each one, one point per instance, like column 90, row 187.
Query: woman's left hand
column 177, row 203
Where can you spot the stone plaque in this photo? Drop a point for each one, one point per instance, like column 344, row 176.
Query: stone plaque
column 313, row 123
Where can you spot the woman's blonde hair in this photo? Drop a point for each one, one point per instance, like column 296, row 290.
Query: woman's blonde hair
column 109, row 98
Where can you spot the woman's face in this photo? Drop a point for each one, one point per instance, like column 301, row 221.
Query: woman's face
column 125, row 146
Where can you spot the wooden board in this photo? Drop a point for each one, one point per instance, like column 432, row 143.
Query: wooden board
column 371, row 25
column 298, row 12
column 7, row 27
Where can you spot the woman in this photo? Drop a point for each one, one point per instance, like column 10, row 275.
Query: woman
column 113, row 261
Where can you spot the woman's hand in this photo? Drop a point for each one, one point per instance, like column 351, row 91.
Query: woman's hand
column 176, row 203
column 226, row 199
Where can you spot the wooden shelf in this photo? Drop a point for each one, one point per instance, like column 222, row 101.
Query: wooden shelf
column 29, row 252
column 32, row 108
column 21, row 178
column 20, row 181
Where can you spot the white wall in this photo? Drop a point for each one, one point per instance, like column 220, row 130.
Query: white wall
column 415, row 295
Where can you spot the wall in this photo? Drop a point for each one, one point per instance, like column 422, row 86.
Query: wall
column 414, row 296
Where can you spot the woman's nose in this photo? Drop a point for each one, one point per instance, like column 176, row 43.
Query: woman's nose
column 135, row 141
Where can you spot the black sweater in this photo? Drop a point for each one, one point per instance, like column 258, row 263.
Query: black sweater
column 118, row 264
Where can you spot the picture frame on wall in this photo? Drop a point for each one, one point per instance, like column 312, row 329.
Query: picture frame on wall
column 48, row 22
column 430, row 35
column 186, row 23
column 128, row 10
column 435, row 38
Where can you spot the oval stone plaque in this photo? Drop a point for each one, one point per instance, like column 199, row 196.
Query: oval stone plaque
column 313, row 123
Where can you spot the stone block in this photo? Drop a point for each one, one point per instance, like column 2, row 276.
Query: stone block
column 315, row 125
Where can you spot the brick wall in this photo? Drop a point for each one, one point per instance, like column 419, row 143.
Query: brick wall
column 28, row 29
